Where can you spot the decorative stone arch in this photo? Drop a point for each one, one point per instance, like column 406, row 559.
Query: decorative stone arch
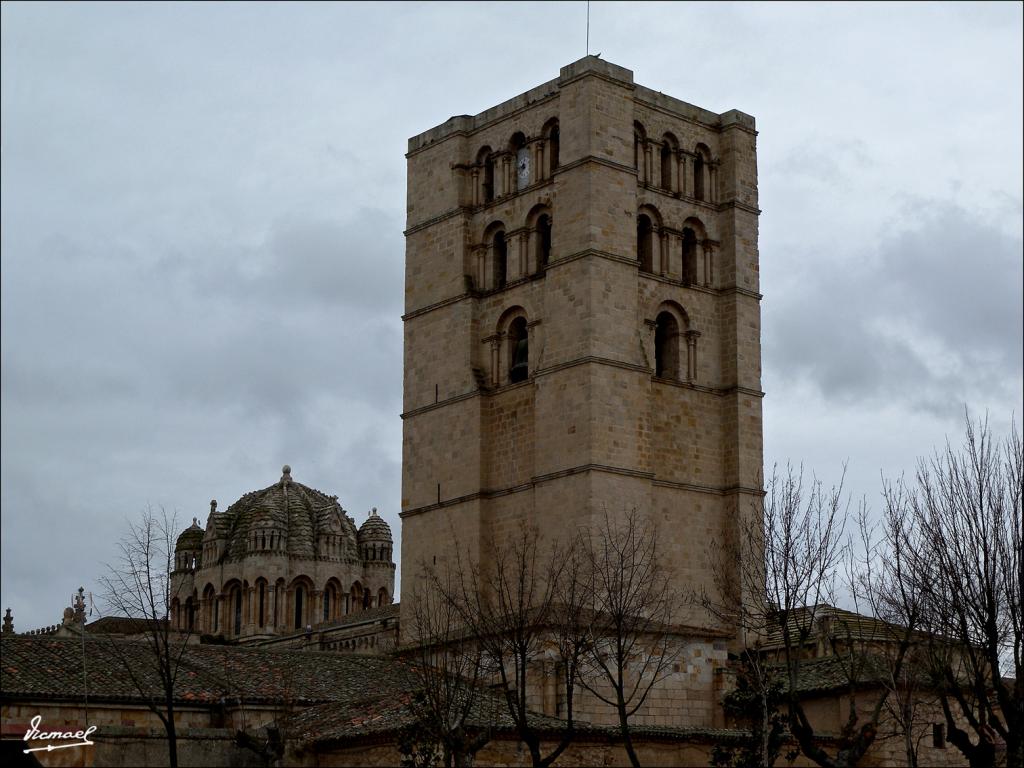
column 670, row 329
column 698, row 253
column 703, row 177
column 548, row 149
column 538, row 243
column 493, row 256
column 510, row 347
column 641, row 153
column 332, row 600
column 301, row 602
column 234, row 605
column 260, row 603
column 382, row 597
column 649, row 236
column 520, row 174
column 209, row 608
column 668, row 177
column 483, row 176
column 356, row 595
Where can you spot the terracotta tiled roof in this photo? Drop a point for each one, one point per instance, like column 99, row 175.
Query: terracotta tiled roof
column 822, row 622
column 52, row 667
column 118, row 625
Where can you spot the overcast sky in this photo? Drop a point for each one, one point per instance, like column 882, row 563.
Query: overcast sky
column 202, row 251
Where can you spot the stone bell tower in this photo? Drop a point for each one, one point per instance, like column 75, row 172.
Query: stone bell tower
column 582, row 320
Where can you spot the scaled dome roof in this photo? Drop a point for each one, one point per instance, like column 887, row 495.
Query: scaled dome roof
column 374, row 528
column 191, row 537
column 293, row 511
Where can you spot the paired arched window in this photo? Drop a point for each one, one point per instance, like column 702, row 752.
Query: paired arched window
column 519, row 351
column 645, row 242
column 666, row 346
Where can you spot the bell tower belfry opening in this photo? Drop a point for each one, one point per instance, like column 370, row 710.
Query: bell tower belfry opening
column 582, row 320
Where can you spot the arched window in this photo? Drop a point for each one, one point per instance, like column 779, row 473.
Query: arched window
column 689, row 257
column 551, row 134
column 328, row 599
column 666, row 167
column 543, row 242
column 356, row 597
column 666, row 346
column 237, row 598
column 190, row 614
column 500, row 260
column 698, row 176
column 639, row 142
column 300, row 595
column 485, row 160
column 645, row 243
column 519, row 351
column 261, row 614
column 382, row 596
column 521, row 158
column 367, row 600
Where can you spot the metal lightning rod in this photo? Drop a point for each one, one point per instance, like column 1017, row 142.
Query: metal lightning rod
column 588, row 27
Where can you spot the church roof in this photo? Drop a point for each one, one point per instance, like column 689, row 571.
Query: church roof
column 296, row 512
column 191, row 537
column 375, row 528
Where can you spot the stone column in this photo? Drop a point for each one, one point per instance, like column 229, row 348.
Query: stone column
column 649, row 343
column 709, row 251
column 681, row 161
column 663, row 247
column 317, row 604
column 539, row 171
column 691, row 356
column 495, row 342
column 712, row 190
column 477, row 197
column 647, row 163
column 270, row 619
column 506, row 175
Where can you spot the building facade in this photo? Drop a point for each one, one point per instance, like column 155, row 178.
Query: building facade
column 279, row 561
column 582, row 325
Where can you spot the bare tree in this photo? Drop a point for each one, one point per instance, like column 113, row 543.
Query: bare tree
column 448, row 665
column 777, row 581
column 969, row 568
column 633, row 643
column 138, row 586
column 522, row 601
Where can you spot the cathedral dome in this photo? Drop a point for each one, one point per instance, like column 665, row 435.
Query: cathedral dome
column 287, row 515
column 190, row 538
column 374, row 529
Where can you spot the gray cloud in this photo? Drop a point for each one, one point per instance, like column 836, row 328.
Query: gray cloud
column 202, row 259
column 935, row 301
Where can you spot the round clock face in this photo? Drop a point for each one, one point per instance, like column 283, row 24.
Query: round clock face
column 523, row 165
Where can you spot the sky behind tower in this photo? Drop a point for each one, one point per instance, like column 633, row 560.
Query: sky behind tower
column 202, row 250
